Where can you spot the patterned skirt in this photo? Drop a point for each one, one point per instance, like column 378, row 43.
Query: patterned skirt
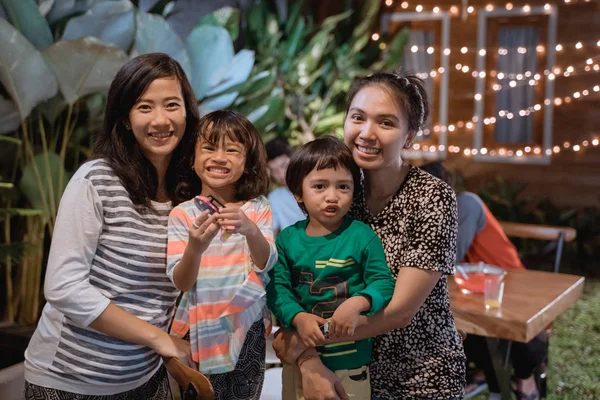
column 157, row 388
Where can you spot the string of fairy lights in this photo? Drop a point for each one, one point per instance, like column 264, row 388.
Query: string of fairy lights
column 506, row 81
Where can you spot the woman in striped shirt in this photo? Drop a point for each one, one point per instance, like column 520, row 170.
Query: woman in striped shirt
column 221, row 260
column 109, row 302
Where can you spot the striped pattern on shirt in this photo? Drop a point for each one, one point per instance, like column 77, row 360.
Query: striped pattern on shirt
column 129, row 268
column 229, row 294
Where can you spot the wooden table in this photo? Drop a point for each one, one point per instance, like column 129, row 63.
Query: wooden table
column 532, row 300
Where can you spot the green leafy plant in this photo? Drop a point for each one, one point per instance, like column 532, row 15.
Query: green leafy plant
column 303, row 71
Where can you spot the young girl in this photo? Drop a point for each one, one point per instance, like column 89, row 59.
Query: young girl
column 221, row 260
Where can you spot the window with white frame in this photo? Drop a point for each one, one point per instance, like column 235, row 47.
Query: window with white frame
column 512, row 110
column 427, row 55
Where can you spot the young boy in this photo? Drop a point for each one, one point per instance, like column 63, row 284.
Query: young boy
column 330, row 267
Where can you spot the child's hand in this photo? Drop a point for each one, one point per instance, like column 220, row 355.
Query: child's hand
column 345, row 318
column 307, row 326
column 233, row 220
column 203, row 230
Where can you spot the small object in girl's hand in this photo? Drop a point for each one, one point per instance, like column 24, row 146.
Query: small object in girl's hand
column 207, row 203
column 212, row 205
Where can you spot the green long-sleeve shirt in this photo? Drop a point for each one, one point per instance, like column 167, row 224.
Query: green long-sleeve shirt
column 315, row 274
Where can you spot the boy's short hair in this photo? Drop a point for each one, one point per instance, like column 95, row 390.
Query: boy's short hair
column 322, row 153
column 278, row 147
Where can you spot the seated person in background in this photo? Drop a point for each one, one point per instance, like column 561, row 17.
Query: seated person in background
column 331, row 268
column 481, row 239
column 283, row 204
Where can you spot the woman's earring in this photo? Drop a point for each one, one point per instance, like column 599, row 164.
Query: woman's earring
column 127, row 126
column 407, row 145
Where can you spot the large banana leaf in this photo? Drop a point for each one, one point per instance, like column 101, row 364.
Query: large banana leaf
column 211, row 50
column 113, row 22
column 65, row 8
column 26, row 17
column 23, row 71
column 44, row 6
column 147, row 5
column 9, row 116
column 29, row 184
column 154, row 34
column 237, row 73
column 84, row 66
column 226, row 17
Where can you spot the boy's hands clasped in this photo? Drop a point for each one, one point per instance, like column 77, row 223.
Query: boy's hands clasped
column 342, row 323
column 308, row 329
column 345, row 318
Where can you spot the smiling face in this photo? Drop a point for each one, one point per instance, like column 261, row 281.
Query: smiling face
column 376, row 128
column 158, row 120
column 327, row 197
column 220, row 166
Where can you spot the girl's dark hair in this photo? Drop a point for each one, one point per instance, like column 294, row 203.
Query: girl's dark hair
column 322, row 153
column 408, row 90
column 212, row 128
column 118, row 146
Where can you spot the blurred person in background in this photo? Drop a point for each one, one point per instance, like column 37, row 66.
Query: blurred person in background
column 284, row 206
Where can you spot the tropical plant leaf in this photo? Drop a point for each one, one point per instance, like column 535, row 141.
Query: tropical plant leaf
column 113, row 22
column 53, row 107
column 44, row 6
column 330, row 123
column 25, row 16
column 15, row 251
column 154, row 34
column 361, row 34
column 394, row 52
column 29, row 184
column 211, row 50
column 9, row 116
column 293, row 16
column 226, row 17
column 275, row 111
column 147, row 5
column 23, row 71
column 238, row 73
column 84, row 66
column 65, row 8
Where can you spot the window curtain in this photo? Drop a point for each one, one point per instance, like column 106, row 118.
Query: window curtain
column 519, row 129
